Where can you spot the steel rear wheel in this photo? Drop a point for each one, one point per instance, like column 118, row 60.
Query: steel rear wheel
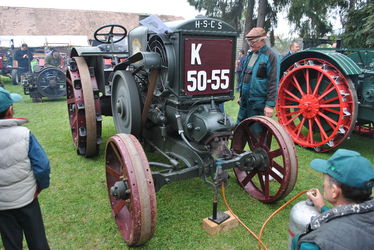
column 131, row 189
column 276, row 143
column 317, row 104
column 83, row 108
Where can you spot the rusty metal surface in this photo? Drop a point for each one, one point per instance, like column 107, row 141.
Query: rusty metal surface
column 83, row 109
column 135, row 216
column 281, row 151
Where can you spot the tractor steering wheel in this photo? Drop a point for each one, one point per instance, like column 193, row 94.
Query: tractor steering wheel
column 108, row 36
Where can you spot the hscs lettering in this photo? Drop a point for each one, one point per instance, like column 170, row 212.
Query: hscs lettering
column 213, row 24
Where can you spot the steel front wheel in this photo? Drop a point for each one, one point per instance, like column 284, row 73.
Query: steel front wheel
column 317, row 104
column 131, row 189
column 83, row 108
column 277, row 179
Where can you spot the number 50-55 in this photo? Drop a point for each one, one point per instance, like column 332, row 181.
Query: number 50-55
column 198, row 80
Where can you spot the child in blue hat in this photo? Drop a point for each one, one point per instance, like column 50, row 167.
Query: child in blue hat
column 24, row 172
column 348, row 183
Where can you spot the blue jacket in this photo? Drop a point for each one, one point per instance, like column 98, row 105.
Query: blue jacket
column 263, row 76
column 39, row 163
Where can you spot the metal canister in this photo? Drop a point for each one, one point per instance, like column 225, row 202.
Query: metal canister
column 300, row 217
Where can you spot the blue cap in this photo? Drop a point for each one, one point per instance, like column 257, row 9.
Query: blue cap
column 7, row 99
column 348, row 167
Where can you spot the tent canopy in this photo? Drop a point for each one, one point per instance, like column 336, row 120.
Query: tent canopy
column 42, row 41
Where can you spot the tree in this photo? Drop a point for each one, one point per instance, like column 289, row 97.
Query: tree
column 232, row 11
column 248, row 23
column 262, row 8
column 309, row 16
column 359, row 27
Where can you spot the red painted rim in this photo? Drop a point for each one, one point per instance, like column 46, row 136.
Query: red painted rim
column 317, row 104
column 126, row 161
column 282, row 157
column 84, row 112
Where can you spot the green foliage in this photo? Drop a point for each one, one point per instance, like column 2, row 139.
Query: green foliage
column 359, row 28
column 309, row 16
column 76, row 208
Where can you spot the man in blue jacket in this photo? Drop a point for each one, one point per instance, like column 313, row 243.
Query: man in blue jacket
column 348, row 183
column 24, row 172
column 259, row 79
column 24, row 57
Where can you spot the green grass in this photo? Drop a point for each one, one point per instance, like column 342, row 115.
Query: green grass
column 76, row 209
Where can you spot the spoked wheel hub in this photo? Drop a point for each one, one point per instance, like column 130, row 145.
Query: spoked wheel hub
column 317, row 104
column 309, row 106
column 120, row 190
column 274, row 173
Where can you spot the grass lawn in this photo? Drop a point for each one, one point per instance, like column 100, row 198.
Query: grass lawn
column 76, row 210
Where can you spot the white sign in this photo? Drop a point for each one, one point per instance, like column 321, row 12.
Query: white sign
column 155, row 24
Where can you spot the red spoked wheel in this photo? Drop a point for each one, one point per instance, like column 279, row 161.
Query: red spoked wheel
column 282, row 164
column 131, row 189
column 317, row 104
column 83, row 108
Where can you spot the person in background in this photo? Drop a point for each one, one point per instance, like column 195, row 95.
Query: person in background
column 260, row 77
column 24, row 172
column 24, row 57
column 238, row 68
column 294, row 47
column 53, row 59
column 348, row 182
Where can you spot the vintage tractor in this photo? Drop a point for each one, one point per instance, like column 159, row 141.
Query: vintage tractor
column 44, row 82
column 325, row 94
column 164, row 97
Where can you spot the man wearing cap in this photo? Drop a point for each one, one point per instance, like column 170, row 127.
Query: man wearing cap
column 260, row 77
column 348, row 183
column 53, row 59
column 24, row 172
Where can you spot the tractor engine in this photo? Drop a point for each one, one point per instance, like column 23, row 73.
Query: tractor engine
column 193, row 72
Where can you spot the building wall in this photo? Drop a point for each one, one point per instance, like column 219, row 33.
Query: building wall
column 43, row 21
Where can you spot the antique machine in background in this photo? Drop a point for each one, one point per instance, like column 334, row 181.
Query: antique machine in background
column 44, row 82
column 326, row 94
column 165, row 98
